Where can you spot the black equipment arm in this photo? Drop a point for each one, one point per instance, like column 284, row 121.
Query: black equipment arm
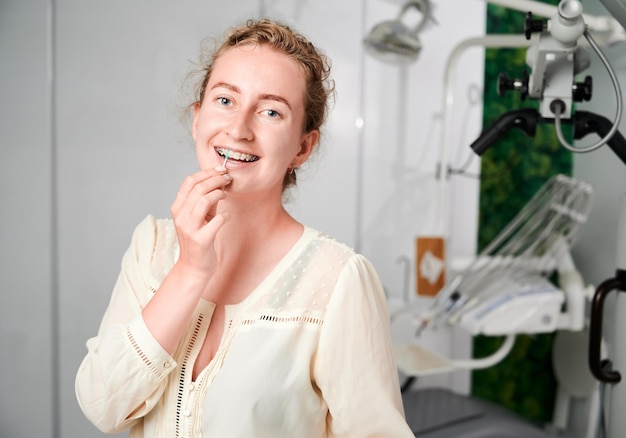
column 584, row 122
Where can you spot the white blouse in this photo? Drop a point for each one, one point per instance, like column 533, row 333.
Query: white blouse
column 307, row 354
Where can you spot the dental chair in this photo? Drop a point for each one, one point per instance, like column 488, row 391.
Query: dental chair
column 507, row 290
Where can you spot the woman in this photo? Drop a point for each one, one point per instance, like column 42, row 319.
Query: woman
column 233, row 319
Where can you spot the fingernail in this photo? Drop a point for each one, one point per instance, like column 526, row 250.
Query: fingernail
column 227, row 177
column 220, row 168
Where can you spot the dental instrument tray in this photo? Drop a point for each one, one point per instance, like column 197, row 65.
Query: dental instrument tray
column 506, row 289
column 523, row 282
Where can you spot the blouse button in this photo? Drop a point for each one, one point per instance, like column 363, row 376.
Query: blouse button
column 192, row 386
column 187, row 413
column 166, row 364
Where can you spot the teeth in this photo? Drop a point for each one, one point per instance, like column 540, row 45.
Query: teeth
column 237, row 155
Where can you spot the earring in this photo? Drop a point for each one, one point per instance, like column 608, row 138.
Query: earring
column 292, row 169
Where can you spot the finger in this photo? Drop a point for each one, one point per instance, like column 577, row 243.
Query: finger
column 204, row 196
column 192, row 180
column 198, row 185
column 205, row 208
column 210, row 229
column 185, row 188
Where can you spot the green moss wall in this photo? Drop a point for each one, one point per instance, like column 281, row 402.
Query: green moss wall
column 512, row 170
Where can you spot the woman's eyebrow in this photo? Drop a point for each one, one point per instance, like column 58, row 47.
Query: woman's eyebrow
column 276, row 98
column 225, row 85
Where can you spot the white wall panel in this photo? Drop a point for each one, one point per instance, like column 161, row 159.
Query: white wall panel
column 404, row 108
column 595, row 253
column 597, row 247
column 326, row 194
column 26, row 342
column 122, row 149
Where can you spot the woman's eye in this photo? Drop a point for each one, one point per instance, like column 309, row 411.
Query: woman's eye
column 272, row 113
column 223, row 101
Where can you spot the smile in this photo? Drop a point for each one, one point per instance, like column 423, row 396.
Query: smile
column 237, row 156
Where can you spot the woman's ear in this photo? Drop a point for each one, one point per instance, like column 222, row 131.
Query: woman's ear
column 194, row 124
column 307, row 144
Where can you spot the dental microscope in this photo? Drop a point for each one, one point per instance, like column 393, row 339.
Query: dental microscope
column 555, row 58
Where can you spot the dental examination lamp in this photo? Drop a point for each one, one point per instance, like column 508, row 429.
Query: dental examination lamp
column 393, row 41
column 555, row 58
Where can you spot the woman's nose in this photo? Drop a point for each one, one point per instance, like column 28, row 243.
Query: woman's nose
column 240, row 127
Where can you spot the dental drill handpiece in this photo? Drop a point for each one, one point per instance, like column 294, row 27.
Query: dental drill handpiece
column 447, row 301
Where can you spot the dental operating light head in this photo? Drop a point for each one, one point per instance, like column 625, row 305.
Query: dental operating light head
column 393, row 41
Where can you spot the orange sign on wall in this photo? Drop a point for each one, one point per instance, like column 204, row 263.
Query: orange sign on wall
column 430, row 265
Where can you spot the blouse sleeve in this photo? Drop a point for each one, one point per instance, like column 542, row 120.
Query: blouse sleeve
column 355, row 369
column 123, row 375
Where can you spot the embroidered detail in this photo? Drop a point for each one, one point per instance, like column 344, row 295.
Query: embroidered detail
column 305, row 287
column 284, row 319
column 141, row 354
column 183, row 370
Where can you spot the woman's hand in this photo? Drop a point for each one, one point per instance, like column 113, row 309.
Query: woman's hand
column 196, row 221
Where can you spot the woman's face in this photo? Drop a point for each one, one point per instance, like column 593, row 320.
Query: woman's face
column 253, row 109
